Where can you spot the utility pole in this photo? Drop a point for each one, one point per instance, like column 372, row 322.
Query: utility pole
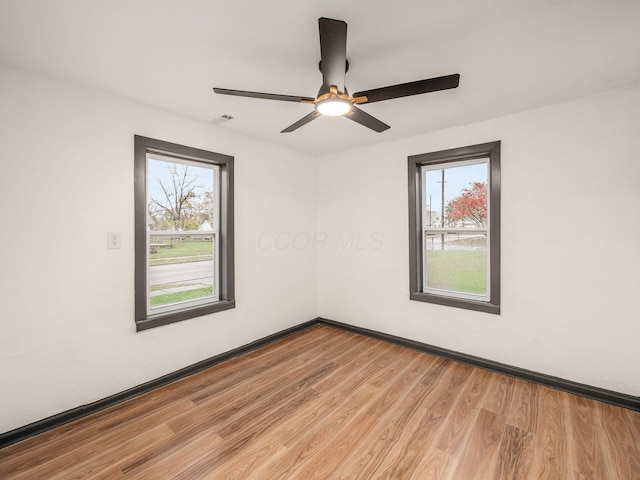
column 442, row 206
column 430, row 221
column 442, row 212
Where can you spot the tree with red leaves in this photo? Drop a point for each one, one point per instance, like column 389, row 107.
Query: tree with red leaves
column 469, row 206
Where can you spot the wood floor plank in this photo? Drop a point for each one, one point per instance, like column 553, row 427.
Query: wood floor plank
column 523, row 410
column 306, row 420
column 480, row 457
column 88, row 459
column 330, row 404
column 250, row 424
column 323, row 434
column 171, row 465
column 414, row 386
column 267, row 403
column 623, row 452
column 395, row 412
column 272, row 363
column 333, row 454
column 352, row 349
column 550, row 459
column 403, row 459
column 242, row 430
column 36, row 453
column 246, row 394
column 74, row 448
column 585, row 448
column 361, row 369
column 112, row 473
column 499, row 397
column 633, row 419
column 435, row 465
column 65, row 438
column 463, row 414
column 256, row 456
column 243, row 465
column 515, row 455
column 416, row 424
column 344, row 386
column 397, row 360
column 102, row 460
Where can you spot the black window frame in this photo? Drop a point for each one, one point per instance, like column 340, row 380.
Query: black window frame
column 226, row 301
column 490, row 150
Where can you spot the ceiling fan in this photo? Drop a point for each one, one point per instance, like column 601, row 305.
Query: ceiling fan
column 333, row 98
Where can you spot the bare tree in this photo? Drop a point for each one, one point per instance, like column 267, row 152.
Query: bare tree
column 178, row 194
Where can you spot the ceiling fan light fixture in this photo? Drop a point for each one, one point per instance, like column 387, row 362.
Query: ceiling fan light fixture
column 333, row 107
column 333, row 99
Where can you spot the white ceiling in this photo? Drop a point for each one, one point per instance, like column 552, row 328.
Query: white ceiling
column 512, row 55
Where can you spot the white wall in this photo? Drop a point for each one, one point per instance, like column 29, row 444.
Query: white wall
column 335, row 226
column 570, row 242
column 67, row 333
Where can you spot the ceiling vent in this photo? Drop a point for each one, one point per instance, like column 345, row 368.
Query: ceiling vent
column 222, row 119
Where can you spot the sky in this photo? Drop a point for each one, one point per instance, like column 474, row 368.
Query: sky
column 157, row 168
column 456, row 179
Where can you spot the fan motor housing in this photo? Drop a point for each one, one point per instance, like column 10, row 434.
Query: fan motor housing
column 346, row 68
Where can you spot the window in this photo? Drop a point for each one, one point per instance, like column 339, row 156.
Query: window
column 184, row 232
column 454, row 222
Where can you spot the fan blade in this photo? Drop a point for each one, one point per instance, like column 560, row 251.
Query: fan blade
column 333, row 53
column 303, row 121
column 266, row 96
column 367, row 120
column 410, row 88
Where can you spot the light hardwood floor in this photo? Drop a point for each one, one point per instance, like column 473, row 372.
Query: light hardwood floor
column 329, row 404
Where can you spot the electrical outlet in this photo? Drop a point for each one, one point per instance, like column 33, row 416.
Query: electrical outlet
column 113, row 240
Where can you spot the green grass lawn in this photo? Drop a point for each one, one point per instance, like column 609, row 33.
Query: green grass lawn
column 457, row 270
column 182, row 251
column 176, row 297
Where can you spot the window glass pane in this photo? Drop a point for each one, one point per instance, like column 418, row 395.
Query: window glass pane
column 456, row 196
column 182, row 203
column 456, row 262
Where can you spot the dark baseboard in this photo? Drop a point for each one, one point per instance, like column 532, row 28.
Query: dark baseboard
column 41, row 426
column 607, row 396
column 60, row 419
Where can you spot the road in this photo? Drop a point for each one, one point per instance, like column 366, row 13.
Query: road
column 196, row 272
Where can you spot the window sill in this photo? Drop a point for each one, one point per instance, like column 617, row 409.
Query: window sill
column 177, row 316
column 456, row 302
